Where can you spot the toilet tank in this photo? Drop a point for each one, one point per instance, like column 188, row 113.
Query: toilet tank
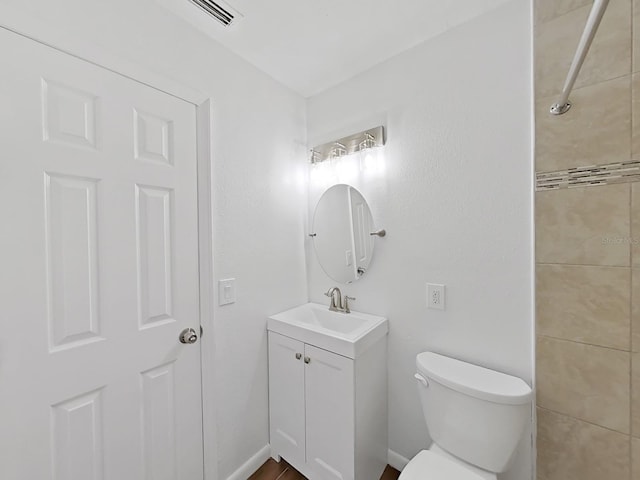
column 474, row 413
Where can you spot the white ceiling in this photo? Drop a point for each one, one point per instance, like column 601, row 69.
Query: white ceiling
column 311, row 45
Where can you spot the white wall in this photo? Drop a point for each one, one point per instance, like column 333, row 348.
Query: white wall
column 455, row 199
column 260, row 203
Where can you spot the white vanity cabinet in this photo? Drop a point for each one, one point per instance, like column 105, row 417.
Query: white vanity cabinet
column 328, row 412
column 287, row 399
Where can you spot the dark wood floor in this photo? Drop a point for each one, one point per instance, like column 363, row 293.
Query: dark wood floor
column 273, row 470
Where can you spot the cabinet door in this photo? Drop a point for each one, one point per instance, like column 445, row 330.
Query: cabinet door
column 286, row 398
column 329, row 388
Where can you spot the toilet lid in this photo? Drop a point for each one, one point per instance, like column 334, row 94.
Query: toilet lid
column 427, row 465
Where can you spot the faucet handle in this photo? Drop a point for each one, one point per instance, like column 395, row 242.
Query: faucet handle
column 346, row 303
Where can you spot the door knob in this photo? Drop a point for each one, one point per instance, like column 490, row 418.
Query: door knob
column 298, row 356
column 307, row 360
column 188, row 336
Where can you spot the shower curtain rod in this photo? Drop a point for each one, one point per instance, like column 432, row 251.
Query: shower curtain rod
column 593, row 22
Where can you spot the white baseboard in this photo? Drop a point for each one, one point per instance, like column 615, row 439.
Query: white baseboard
column 396, row 460
column 251, row 465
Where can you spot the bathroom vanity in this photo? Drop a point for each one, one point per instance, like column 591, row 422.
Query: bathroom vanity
column 328, row 392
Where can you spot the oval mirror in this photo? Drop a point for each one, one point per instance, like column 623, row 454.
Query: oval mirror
column 342, row 226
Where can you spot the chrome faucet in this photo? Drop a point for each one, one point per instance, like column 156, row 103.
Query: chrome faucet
column 336, row 304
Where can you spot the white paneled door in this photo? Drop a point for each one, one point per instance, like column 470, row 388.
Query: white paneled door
column 99, row 274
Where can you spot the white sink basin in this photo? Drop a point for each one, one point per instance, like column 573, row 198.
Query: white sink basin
column 347, row 334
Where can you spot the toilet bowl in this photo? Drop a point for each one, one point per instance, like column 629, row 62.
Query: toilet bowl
column 474, row 415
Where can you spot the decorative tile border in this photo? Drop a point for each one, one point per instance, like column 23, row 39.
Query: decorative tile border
column 610, row 173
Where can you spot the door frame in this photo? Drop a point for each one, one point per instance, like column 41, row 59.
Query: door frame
column 41, row 32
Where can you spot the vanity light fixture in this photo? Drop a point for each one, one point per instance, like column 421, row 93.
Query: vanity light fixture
column 371, row 138
column 368, row 142
column 338, row 150
column 315, row 157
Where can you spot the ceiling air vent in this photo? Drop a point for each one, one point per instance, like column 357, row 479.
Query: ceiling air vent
column 221, row 11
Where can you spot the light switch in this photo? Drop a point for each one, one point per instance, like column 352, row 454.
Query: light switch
column 226, row 291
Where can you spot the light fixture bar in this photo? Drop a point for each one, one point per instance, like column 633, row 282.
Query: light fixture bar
column 371, row 138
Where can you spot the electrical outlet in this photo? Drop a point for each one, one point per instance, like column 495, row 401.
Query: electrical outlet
column 435, row 296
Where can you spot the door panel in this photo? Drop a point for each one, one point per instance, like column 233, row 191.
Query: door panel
column 155, row 255
column 330, row 421
column 72, row 261
column 286, row 398
column 159, row 420
column 77, row 438
column 100, row 273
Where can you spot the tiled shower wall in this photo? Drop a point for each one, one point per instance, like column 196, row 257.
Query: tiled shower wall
column 588, row 249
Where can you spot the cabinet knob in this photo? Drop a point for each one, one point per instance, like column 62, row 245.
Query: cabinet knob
column 298, row 356
column 307, row 360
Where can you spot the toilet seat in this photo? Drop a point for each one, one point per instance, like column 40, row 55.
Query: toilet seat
column 427, row 465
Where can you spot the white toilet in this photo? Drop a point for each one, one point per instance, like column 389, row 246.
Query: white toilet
column 474, row 415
